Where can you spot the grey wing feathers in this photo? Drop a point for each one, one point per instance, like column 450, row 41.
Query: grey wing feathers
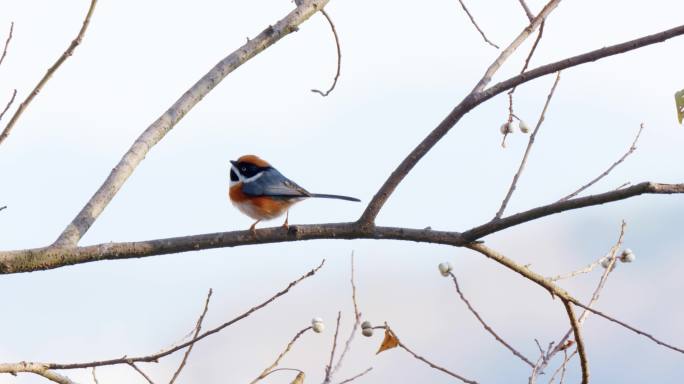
column 273, row 183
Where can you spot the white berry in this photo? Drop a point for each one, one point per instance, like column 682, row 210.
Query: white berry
column 368, row 332
column 445, row 268
column 317, row 325
column 523, row 127
column 366, row 324
column 627, row 256
column 506, row 128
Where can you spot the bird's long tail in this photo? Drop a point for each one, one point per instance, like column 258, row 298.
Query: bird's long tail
column 326, row 196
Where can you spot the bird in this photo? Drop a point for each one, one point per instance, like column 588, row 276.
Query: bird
column 261, row 192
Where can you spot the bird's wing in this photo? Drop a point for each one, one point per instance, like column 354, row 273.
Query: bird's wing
column 273, row 183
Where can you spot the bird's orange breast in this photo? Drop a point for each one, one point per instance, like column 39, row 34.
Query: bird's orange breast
column 258, row 207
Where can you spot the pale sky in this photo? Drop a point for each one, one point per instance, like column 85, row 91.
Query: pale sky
column 404, row 66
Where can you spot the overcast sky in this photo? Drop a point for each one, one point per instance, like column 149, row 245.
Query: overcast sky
column 404, row 66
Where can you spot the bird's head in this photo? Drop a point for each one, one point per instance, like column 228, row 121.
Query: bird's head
column 247, row 168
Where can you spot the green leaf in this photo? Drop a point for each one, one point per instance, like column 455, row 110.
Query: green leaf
column 679, row 100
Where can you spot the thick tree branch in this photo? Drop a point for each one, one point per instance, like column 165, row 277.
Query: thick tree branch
column 584, row 363
column 35, row 368
column 477, row 97
column 68, row 53
column 155, row 132
column 36, row 259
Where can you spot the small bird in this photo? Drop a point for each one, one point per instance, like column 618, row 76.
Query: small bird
column 261, row 192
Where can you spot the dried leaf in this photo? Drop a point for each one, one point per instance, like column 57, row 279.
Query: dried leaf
column 679, row 100
column 299, row 379
column 390, row 341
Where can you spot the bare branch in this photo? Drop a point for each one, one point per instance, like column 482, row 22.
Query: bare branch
column 68, row 53
column 472, row 20
column 328, row 368
column 9, row 38
column 578, row 339
column 155, row 132
column 140, row 371
column 557, row 291
column 630, row 150
column 529, row 13
column 356, row 376
column 95, row 376
column 155, row 357
column 9, row 103
column 339, row 56
column 37, row 259
column 432, row 365
column 530, row 142
column 289, row 346
column 487, row 327
column 357, row 321
column 198, row 328
column 35, row 368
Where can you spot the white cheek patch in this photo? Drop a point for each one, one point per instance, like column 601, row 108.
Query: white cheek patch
column 242, row 179
column 253, row 178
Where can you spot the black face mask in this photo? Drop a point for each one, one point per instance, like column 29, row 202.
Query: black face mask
column 233, row 176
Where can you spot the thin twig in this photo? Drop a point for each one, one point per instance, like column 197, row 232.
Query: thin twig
column 132, row 364
column 584, row 363
column 612, row 257
column 9, row 103
column 68, row 53
column 432, row 365
column 3, row 207
column 529, row 13
column 95, row 377
column 357, row 321
column 472, row 20
column 198, row 328
column 487, row 327
column 271, row 367
column 562, row 367
column 511, row 114
column 328, row 368
column 9, row 38
column 339, row 56
column 530, row 142
column 630, row 150
column 159, row 355
column 356, row 376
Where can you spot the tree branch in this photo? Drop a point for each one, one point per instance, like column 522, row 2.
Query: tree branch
column 9, row 38
column 36, row 259
column 270, row 368
column 198, row 328
column 486, row 326
column 530, row 143
column 630, row 150
column 156, row 356
column 477, row 97
column 472, row 21
column 35, row 368
column 339, row 56
column 155, row 132
column 580, row 342
column 68, row 53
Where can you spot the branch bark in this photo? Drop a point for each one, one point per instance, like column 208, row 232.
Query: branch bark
column 155, row 132
column 36, row 259
column 51, row 71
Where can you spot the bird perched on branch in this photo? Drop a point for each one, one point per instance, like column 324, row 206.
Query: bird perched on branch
column 261, row 192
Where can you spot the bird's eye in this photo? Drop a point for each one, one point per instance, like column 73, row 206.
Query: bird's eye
column 243, row 169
